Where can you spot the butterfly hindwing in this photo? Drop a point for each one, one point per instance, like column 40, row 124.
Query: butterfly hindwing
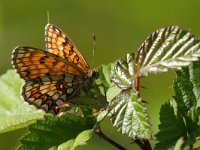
column 50, row 92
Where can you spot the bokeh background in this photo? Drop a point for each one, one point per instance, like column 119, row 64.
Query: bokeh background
column 120, row 27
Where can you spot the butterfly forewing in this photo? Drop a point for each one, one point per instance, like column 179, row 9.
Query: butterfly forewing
column 57, row 42
column 31, row 63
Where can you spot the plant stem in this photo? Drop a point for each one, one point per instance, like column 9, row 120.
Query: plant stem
column 102, row 135
column 144, row 144
column 137, row 84
column 191, row 146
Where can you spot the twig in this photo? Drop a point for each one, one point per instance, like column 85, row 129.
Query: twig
column 143, row 144
column 191, row 146
column 103, row 136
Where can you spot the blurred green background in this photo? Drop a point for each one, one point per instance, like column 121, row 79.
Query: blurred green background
column 120, row 27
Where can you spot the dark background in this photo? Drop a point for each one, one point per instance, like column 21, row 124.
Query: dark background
column 120, row 27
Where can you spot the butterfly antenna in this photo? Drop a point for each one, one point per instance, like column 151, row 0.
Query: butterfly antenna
column 94, row 43
column 48, row 18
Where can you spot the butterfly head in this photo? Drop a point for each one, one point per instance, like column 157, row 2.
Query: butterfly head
column 88, row 81
column 93, row 74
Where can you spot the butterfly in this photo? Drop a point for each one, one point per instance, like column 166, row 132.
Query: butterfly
column 54, row 76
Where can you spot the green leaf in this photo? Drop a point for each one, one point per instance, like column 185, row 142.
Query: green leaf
column 103, row 83
column 54, row 131
column 194, row 71
column 81, row 139
column 167, row 48
column 67, row 145
column 193, row 125
column 183, row 111
column 102, row 115
column 122, row 74
column 112, row 92
column 172, row 126
column 183, row 89
column 14, row 112
column 104, row 75
column 129, row 115
column 187, row 87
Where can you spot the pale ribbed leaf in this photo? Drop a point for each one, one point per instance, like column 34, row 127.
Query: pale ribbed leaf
column 167, row 48
column 122, row 74
column 129, row 115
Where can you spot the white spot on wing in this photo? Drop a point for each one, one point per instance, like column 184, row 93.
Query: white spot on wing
column 28, row 94
column 31, row 99
column 51, row 93
column 27, row 88
column 56, row 96
column 69, row 90
column 45, row 107
column 61, row 48
column 69, row 78
column 44, row 91
column 59, row 102
column 64, row 97
column 69, row 84
column 45, row 79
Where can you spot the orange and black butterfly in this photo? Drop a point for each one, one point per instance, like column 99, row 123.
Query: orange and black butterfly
column 53, row 76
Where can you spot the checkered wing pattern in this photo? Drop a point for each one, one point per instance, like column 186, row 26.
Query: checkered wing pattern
column 58, row 43
column 54, row 76
column 50, row 93
column 31, row 63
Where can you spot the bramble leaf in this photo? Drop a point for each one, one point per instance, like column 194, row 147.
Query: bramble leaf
column 187, row 87
column 58, row 132
column 15, row 113
column 129, row 115
column 183, row 111
column 171, row 127
column 192, row 121
column 123, row 72
column 81, row 139
column 112, row 92
column 167, row 48
column 104, row 75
